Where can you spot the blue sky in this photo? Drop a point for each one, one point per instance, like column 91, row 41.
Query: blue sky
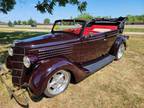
column 24, row 10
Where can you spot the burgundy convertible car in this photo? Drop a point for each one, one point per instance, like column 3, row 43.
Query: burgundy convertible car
column 72, row 51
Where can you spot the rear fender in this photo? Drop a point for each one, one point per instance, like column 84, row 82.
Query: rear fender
column 119, row 40
column 46, row 68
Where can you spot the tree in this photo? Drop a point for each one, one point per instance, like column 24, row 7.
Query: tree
column 24, row 22
column 32, row 22
column 44, row 5
column 6, row 5
column 10, row 24
column 46, row 21
column 85, row 16
column 19, row 22
column 15, row 23
column 135, row 19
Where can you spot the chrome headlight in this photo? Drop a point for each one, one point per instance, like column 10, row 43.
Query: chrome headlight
column 10, row 51
column 26, row 62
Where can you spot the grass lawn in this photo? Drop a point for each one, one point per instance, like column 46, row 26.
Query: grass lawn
column 134, row 29
column 118, row 85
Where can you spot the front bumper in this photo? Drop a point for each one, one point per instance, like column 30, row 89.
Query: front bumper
column 17, row 93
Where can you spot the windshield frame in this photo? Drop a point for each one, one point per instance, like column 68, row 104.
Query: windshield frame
column 83, row 26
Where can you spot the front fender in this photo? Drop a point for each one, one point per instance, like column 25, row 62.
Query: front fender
column 46, row 68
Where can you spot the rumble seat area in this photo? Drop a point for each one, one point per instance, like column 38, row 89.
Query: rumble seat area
column 98, row 29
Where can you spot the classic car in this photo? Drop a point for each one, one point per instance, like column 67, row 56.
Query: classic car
column 72, row 51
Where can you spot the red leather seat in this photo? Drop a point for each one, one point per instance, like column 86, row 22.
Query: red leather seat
column 91, row 29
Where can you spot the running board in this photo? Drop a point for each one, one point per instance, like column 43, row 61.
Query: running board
column 98, row 64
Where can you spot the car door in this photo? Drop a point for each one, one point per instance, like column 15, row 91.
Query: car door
column 93, row 47
column 110, row 38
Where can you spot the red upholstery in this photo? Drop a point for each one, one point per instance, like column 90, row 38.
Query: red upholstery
column 104, row 26
column 77, row 30
column 87, row 30
column 74, row 30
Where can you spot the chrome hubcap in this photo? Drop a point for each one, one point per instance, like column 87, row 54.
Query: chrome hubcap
column 121, row 51
column 58, row 82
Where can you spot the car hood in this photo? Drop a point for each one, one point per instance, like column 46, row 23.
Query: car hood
column 46, row 40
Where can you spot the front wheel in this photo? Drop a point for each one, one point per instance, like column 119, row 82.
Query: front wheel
column 120, row 51
column 57, row 83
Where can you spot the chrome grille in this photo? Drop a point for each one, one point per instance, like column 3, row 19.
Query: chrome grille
column 17, row 65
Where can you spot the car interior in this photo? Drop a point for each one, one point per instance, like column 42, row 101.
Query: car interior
column 93, row 29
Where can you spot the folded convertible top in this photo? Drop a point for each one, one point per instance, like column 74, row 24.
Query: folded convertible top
column 119, row 22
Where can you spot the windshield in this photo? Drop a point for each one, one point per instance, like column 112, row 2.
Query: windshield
column 69, row 26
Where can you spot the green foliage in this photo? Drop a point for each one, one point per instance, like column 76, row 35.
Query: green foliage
column 29, row 22
column 48, row 5
column 44, row 5
column 103, row 17
column 135, row 19
column 24, row 22
column 10, row 24
column 6, row 5
column 85, row 16
column 82, row 6
column 19, row 22
column 32, row 22
column 15, row 23
column 46, row 21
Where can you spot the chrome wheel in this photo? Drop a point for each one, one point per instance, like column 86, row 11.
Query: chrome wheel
column 120, row 51
column 57, row 83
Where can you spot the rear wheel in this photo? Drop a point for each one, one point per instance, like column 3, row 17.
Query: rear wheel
column 120, row 51
column 57, row 83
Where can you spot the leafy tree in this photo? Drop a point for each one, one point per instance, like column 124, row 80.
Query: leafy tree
column 85, row 16
column 103, row 17
column 24, row 22
column 19, row 22
column 10, row 24
column 15, row 23
column 44, row 5
column 135, row 19
column 6, row 5
column 46, row 21
column 32, row 22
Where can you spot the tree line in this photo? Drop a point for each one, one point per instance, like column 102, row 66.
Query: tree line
column 135, row 19
column 131, row 19
column 31, row 22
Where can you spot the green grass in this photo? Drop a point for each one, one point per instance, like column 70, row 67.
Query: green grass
column 134, row 30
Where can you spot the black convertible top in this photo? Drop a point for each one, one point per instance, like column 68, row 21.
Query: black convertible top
column 120, row 22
